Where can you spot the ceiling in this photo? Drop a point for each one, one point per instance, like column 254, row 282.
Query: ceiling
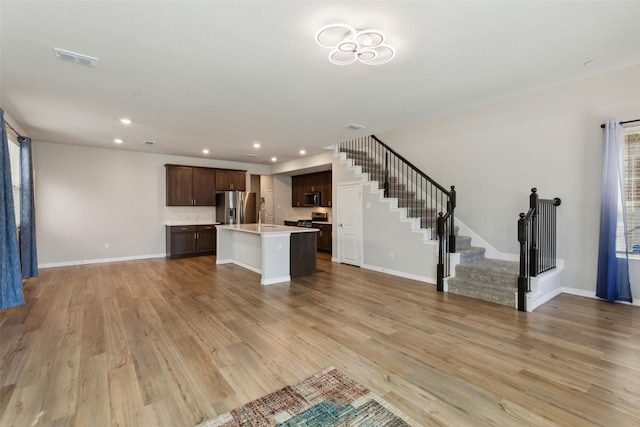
column 223, row 75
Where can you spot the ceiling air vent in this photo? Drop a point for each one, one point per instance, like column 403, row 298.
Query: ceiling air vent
column 77, row 58
column 354, row 126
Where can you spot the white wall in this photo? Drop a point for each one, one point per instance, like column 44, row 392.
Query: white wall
column 282, row 198
column 551, row 140
column 390, row 245
column 86, row 197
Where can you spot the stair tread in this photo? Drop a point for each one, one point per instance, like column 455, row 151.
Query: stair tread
column 487, row 280
column 490, row 286
column 473, row 249
column 495, row 264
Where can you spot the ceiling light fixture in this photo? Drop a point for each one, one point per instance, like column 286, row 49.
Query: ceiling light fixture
column 303, row 152
column 118, row 141
column 256, row 145
column 125, row 121
column 274, row 159
column 205, row 151
column 350, row 45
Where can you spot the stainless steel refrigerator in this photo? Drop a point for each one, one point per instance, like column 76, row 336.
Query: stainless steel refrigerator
column 236, row 207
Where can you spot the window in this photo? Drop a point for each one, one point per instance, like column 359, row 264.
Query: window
column 632, row 190
column 14, row 160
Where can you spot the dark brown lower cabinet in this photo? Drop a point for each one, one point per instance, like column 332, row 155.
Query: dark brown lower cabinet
column 206, row 239
column 324, row 237
column 302, row 261
column 190, row 240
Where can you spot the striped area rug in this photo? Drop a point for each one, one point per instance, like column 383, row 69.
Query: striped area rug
column 326, row 399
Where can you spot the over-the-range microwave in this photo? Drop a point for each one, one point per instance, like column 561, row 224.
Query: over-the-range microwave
column 312, row 199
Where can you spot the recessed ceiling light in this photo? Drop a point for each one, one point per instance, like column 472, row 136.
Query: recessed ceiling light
column 118, row 141
column 256, row 145
column 303, row 152
column 125, row 121
column 205, row 151
column 274, row 159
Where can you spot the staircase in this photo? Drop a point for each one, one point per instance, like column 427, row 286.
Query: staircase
column 476, row 276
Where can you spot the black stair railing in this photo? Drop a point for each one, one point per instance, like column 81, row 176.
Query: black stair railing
column 423, row 197
column 537, row 238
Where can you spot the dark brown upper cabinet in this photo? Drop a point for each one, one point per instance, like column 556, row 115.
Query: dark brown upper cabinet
column 190, row 186
column 319, row 182
column 229, row 180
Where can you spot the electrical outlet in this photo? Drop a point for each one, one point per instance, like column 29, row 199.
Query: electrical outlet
column 106, row 246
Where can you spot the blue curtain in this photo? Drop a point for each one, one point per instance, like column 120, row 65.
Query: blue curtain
column 613, row 269
column 28, row 254
column 11, row 294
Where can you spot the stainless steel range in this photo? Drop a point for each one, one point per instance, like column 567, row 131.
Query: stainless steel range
column 319, row 217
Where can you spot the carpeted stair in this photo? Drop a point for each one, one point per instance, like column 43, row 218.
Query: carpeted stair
column 476, row 276
column 487, row 279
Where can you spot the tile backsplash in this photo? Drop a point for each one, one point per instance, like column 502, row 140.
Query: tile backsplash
column 189, row 214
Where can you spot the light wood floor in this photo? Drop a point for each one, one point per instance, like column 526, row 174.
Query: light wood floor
column 175, row 342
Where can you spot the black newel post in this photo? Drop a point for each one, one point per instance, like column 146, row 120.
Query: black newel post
column 451, row 206
column 533, row 254
column 441, row 251
column 386, row 174
column 523, row 280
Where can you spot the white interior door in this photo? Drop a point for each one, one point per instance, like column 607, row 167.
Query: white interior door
column 350, row 224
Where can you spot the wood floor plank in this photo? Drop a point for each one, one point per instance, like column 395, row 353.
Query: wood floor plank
column 164, row 342
column 93, row 387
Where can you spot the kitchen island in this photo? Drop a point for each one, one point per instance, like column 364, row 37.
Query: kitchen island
column 277, row 252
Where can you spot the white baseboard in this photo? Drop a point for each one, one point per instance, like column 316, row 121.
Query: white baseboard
column 592, row 294
column 273, row 281
column 419, row 278
column 100, row 260
column 537, row 302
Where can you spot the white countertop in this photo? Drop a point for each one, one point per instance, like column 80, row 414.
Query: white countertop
column 267, row 228
column 317, row 221
column 179, row 223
